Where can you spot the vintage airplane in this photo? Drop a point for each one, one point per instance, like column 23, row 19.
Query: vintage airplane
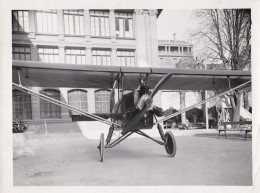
column 29, row 74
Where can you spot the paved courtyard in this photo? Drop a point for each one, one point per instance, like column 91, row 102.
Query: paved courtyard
column 71, row 159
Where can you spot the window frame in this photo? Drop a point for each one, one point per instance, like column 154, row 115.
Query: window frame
column 26, row 112
column 14, row 46
column 102, row 56
column 47, row 11
column 53, row 109
column 99, row 16
column 76, row 55
column 79, row 103
column 125, row 16
column 71, row 12
column 48, row 54
column 16, row 21
column 125, row 56
column 105, row 104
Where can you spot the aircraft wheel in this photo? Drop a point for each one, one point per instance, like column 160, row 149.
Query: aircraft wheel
column 101, row 147
column 170, row 144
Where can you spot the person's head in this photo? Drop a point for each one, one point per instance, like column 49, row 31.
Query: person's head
column 144, row 89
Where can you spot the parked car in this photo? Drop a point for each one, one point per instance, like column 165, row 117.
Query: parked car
column 19, row 126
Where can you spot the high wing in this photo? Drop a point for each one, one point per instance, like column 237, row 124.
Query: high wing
column 89, row 76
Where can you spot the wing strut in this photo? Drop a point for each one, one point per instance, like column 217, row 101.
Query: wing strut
column 200, row 103
column 57, row 102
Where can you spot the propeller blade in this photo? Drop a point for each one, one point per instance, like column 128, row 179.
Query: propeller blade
column 160, row 84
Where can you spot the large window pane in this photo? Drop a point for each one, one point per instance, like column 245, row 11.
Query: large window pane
column 101, row 57
column 48, row 55
column 102, row 101
column 22, row 106
column 47, row 109
column 99, row 23
column 20, row 21
column 125, row 58
column 78, row 99
column 75, row 56
column 21, row 52
column 73, row 22
column 124, row 24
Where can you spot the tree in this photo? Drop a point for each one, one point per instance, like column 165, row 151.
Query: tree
column 224, row 39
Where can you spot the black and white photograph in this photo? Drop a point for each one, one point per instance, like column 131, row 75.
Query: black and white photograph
column 121, row 98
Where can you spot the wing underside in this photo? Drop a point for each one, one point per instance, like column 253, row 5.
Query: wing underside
column 83, row 76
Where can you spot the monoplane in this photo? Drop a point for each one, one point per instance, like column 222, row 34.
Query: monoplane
column 29, row 74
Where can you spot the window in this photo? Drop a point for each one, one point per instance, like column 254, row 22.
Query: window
column 78, row 99
column 161, row 49
column 47, row 21
column 20, row 21
column 173, row 49
column 75, row 56
column 73, row 20
column 126, row 58
column 99, row 23
column 48, row 109
column 124, row 24
column 21, row 53
column 102, row 101
column 22, row 105
column 101, row 57
column 48, row 55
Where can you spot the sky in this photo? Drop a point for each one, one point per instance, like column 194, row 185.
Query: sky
column 174, row 21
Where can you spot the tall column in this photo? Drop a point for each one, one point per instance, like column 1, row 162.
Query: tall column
column 34, row 53
column 153, row 38
column 64, row 98
column 140, row 39
column 91, row 100
column 182, row 106
column 113, row 57
column 88, row 56
column 112, row 25
column 62, row 54
column 35, row 106
column 60, row 24
column 87, row 25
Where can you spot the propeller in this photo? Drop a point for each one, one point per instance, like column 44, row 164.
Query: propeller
column 131, row 125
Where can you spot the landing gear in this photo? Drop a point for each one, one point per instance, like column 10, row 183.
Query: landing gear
column 170, row 144
column 101, row 147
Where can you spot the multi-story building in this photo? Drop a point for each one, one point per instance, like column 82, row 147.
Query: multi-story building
column 172, row 52
column 86, row 37
column 124, row 37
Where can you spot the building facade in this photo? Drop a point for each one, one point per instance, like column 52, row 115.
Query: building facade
column 124, row 37
column 86, row 37
column 172, row 52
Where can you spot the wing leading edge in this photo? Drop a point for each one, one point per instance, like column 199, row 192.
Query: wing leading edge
column 89, row 76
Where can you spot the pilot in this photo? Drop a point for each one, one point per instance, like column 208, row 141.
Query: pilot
column 144, row 97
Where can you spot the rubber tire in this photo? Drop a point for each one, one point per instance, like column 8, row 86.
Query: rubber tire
column 101, row 147
column 170, row 144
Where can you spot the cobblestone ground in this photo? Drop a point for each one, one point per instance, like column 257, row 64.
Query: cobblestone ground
column 71, row 159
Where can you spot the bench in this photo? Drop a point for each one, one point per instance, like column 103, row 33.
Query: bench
column 245, row 126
